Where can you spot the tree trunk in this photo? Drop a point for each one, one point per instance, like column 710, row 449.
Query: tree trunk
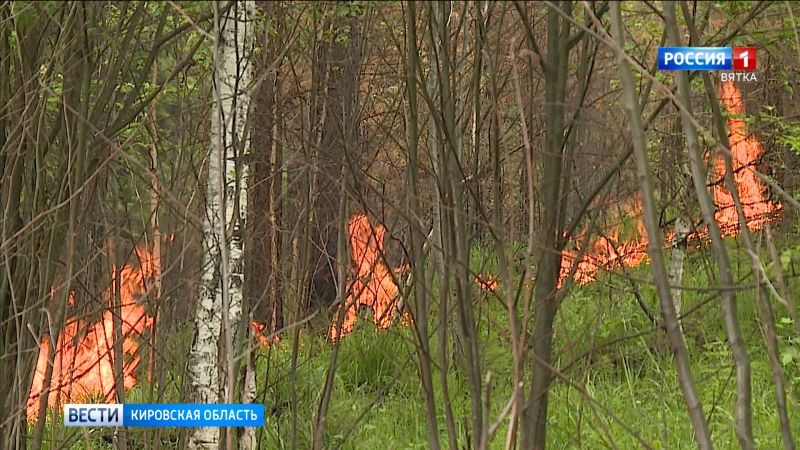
column 677, row 258
column 762, row 297
column 534, row 415
column 340, row 59
column 676, row 341
column 439, row 274
column 219, row 306
column 741, row 360
column 421, row 297
column 264, row 239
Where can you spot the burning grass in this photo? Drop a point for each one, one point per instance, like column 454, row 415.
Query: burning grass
column 609, row 253
column 83, row 365
column 370, row 282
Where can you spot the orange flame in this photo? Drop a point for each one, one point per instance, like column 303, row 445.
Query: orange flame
column 258, row 330
column 487, row 282
column 745, row 151
column 370, row 282
column 605, row 253
column 84, row 360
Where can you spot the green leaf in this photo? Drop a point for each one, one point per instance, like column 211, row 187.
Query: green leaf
column 788, row 356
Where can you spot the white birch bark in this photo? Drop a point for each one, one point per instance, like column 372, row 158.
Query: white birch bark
column 219, row 304
column 679, row 240
column 236, row 86
column 677, row 258
column 241, row 127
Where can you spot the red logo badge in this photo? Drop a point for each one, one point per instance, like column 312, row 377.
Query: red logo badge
column 744, row 58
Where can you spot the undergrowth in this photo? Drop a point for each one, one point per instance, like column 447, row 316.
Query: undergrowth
column 618, row 386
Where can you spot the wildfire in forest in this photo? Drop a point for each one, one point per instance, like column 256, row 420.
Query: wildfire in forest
column 745, row 151
column 609, row 253
column 370, row 282
column 258, row 332
column 486, row 282
column 84, row 359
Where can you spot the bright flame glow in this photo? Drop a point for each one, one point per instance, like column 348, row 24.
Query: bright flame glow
column 609, row 254
column 745, row 151
column 264, row 341
column 370, row 282
column 487, row 282
column 84, row 360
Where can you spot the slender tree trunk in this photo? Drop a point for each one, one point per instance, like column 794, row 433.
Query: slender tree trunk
column 534, row 415
column 671, row 324
column 338, row 83
column 115, row 266
column 264, row 240
column 439, row 273
column 79, row 100
column 340, row 146
column 219, row 307
column 203, row 361
column 768, row 317
column 683, row 222
column 741, row 360
column 154, row 370
column 452, row 158
column 676, row 262
column 320, row 417
column 421, row 293
column 778, row 377
column 791, row 306
column 454, row 227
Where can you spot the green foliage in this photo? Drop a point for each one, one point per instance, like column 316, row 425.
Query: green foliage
column 378, row 402
column 786, row 131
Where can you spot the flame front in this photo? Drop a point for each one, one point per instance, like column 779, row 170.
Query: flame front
column 486, row 282
column 84, row 359
column 605, row 253
column 745, row 151
column 370, row 283
column 258, row 331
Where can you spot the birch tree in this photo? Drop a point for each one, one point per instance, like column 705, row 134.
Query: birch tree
column 421, row 302
column 681, row 230
column 219, row 306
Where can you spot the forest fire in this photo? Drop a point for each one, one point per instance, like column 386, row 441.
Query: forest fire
column 608, row 253
column 370, row 283
column 486, row 282
column 84, row 360
column 745, row 152
column 259, row 330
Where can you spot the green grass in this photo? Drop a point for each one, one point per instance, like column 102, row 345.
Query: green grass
column 617, row 393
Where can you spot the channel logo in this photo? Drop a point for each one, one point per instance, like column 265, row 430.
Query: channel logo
column 707, row 58
column 93, row 415
column 744, row 58
column 163, row 415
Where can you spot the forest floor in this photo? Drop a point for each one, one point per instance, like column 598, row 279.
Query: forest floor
column 618, row 390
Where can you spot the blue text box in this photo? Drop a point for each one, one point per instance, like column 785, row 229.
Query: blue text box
column 193, row 415
column 695, row 58
column 163, row 415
